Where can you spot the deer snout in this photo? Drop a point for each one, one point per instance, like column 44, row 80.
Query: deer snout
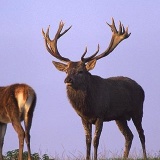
column 68, row 81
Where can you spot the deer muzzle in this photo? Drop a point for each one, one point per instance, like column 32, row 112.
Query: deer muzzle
column 68, row 81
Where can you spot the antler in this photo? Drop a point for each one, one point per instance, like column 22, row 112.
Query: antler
column 51, row 45
column 117, row 37
column 88, row 59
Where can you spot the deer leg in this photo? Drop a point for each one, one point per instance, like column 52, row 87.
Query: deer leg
column 3, row 128
column 18, row 128
column 98, row 130
column 27, row 124
column 88, row 132
column 138, row 124
column 123, row 126
column 29, row 106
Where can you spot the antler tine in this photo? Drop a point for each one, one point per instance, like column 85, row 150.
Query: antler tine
column 120, row 28
column 117, row 37
column 51, row 45
column 47, row 39
column 61, row 34
column 123, row 29
column 91, row 57
column 84, row 54
column 112, row 26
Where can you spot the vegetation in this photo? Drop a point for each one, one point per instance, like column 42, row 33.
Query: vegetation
column 13, row 155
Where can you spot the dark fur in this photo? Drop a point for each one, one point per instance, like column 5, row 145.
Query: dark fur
column 116, row 98
column 97, row 100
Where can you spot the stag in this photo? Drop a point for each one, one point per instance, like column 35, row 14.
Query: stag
column 97, row 100
column 17, row 103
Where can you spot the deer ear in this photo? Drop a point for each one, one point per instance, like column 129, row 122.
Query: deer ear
column 60, row 66
column 91, row 64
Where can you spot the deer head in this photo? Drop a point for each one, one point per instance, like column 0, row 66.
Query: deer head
column 81, row 68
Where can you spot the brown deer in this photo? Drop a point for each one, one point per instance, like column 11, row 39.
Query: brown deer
column 97, row 100
column 17, row 103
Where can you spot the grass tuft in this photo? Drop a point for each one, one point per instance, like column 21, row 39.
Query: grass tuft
column 13, row 155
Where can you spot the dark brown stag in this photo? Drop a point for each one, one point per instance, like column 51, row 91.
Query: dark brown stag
column 97, row 100
column 17, row 103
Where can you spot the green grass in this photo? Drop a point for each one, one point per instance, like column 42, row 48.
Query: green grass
column 13, row 155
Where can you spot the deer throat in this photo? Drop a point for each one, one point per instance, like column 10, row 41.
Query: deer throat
column 78, row 100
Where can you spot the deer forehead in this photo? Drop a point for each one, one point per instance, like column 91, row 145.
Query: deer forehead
column 76, row 66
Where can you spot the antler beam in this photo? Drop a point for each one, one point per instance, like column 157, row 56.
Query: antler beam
column 87, row 59
column 117, row 37
column 51, row 45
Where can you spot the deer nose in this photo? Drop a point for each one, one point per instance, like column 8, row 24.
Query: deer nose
column 68, row 80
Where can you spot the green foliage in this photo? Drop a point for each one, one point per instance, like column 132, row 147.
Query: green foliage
column 13, row 155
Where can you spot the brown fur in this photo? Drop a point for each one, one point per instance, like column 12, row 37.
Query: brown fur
column 17, row 103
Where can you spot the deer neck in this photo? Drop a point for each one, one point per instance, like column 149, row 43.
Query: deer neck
column 80, row 99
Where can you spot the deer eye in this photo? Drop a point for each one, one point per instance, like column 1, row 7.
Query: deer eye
column 80, row 72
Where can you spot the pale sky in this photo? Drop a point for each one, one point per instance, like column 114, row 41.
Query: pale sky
column 56, row 128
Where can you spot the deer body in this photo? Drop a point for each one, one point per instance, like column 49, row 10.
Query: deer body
column 97, row 100
column 122, row 97
column 17, row 103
